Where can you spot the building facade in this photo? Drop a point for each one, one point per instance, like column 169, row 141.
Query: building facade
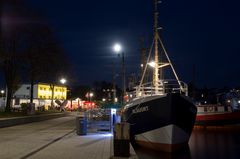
column 43, row 94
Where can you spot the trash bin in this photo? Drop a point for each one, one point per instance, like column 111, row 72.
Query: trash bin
column 81, row 126
column 31, row 109
column 121, row 140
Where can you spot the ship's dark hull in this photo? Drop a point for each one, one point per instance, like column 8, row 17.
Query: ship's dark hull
column 161, row 121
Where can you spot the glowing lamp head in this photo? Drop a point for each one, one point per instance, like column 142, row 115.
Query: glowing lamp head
column 91, row 94
column 152, row 64
column 63, row 80
column 117, row 48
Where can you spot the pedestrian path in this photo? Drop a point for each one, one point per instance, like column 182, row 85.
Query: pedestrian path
column 56, row 139
column 12, row 121
column 72, row 146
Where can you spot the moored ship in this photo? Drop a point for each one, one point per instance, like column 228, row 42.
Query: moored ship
column 160, row 113
column 225, row 112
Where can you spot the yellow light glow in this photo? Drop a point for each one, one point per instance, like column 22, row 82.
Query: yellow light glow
column 45, row 92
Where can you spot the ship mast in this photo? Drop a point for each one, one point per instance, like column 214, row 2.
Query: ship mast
column 155, row 73
column 156, row 79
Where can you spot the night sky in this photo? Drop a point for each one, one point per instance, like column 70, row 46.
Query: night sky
column 202, row 33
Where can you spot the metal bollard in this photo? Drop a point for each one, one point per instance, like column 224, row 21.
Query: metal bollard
column 121, row 140
column 81, row 126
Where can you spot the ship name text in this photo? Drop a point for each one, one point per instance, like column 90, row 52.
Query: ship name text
column 140, row 110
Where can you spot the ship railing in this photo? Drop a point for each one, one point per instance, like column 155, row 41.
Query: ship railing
column 164, row 87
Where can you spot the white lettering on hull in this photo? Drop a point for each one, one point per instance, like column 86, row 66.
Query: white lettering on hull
column 140, row 110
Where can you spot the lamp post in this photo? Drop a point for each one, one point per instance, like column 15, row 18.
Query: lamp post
column 2, row 92
column 90, row 96
column 117, row 48
column 63, row 81
column 90, row 99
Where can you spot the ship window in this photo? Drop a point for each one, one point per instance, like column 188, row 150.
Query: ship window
column 205, row 109
column 17, row 101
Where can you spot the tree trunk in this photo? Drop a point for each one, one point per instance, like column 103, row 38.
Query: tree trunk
column 8, row 100
column 52, row 88
column 31, row 91
column 32, row 85
column 10, row 74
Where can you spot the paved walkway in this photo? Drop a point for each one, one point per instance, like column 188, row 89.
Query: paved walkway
column 91, row 146
column 72, row 146
column 55, row 139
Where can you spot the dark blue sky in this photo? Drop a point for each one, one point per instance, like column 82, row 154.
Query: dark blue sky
column 202, row 33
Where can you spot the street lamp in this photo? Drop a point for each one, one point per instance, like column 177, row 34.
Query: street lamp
column 90, row 96
column 2, row 92
column 117, row 48
column 63, row 81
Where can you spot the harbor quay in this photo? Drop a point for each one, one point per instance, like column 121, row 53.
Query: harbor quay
column 56, row 138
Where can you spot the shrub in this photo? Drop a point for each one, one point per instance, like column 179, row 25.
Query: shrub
column 24, row 107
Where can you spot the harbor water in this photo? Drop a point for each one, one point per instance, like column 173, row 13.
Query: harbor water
column 205, row 143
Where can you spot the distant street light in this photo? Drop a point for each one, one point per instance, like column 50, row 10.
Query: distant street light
column 2, row 92
column 117, row 48
column 90, row 96
column 63, row 81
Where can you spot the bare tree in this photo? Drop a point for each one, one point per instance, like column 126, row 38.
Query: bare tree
column 28, row 44
column 9, row 49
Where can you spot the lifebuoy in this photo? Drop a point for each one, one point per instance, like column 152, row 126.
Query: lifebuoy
column 210, row 109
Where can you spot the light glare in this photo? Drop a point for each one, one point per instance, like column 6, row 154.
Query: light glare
column 117, row 48
column 63, row 80
column 91, row 94
column 152, row 64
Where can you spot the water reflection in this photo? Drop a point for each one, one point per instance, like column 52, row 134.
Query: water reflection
column 211, row 142
column 215, row 142
column 151, row 154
